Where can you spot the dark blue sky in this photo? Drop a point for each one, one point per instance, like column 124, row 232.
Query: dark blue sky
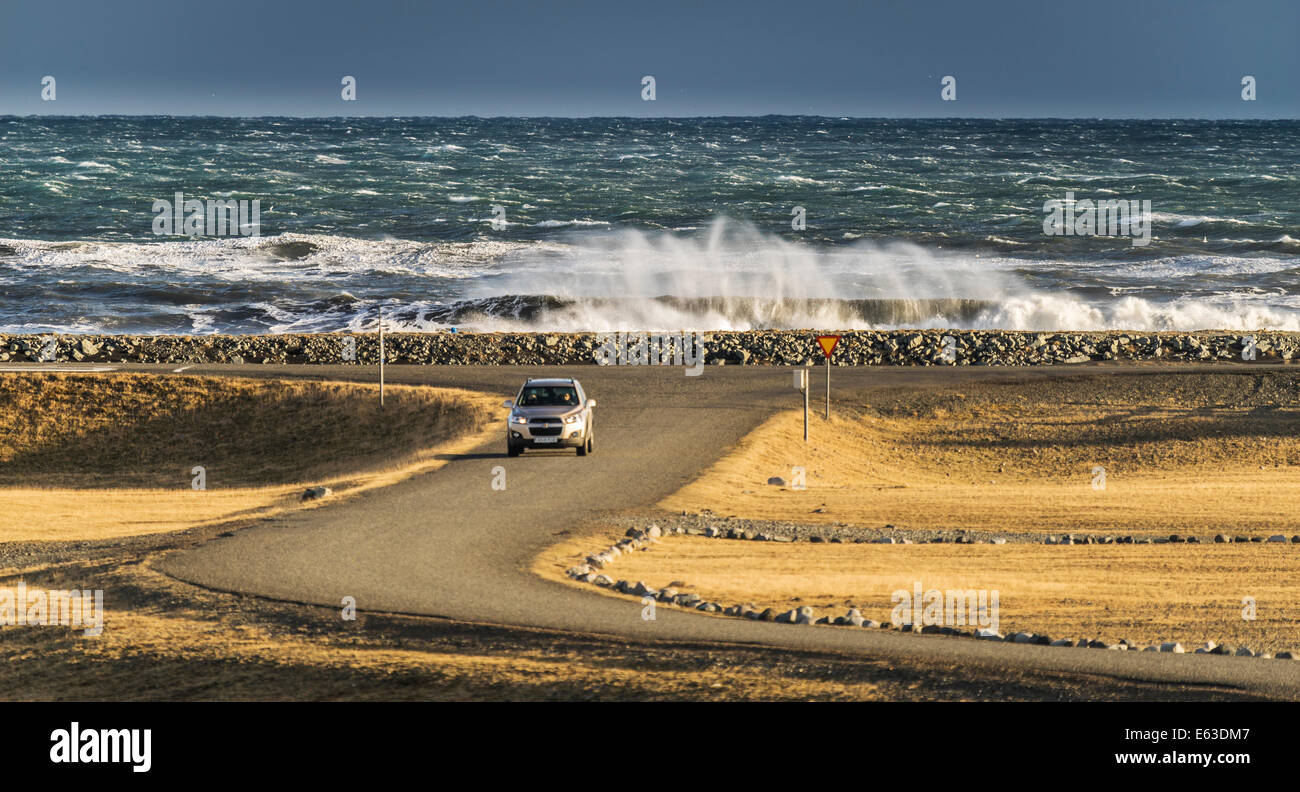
column 1106, row 58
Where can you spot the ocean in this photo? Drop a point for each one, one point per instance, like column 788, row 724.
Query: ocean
column 646, row 224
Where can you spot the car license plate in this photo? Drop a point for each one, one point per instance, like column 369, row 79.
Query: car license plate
column 546, row 439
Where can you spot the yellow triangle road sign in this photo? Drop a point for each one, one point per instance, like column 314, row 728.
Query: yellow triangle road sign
column 828, row 343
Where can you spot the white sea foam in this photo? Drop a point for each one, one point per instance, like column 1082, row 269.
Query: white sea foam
column 725, row 276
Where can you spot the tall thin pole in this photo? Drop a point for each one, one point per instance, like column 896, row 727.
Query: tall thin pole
column 381, row 357
column 805, row 405
column 828, row 387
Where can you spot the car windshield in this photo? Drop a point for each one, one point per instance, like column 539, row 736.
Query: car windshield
column 548, row 396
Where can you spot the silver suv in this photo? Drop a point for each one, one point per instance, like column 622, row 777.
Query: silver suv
column 550, row 413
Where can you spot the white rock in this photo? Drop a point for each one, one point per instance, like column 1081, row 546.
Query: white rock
column 1172, row 646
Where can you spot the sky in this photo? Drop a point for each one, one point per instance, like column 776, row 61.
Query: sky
column 871, row 58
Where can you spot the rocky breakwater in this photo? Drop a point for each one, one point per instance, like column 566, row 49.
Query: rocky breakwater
column 757, row 347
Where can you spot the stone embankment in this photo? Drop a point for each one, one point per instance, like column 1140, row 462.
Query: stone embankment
column 757, row 347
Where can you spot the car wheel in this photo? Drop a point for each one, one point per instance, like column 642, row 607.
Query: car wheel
column 513, row 450
column 585, row 448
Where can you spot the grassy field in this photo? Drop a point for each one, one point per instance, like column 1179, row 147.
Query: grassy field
column 1188, row 454
column 103, row 456
column 1146, row 593
column 167, row 641
column 1178, row 456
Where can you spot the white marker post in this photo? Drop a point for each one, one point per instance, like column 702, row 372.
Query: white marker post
column 801, row 384
column 381, row 357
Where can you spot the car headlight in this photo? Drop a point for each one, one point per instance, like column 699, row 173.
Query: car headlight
column 572, row 419
column 518, row 419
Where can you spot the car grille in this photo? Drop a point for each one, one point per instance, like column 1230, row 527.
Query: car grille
column 546, row 427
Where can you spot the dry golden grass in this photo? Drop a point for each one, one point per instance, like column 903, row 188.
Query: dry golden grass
column 97, row 457
column 1147, row 593
column 1012, row 459
column 1201, row 453
column 165, row 640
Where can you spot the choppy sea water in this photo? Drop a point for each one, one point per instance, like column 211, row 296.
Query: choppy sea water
column 645, row 224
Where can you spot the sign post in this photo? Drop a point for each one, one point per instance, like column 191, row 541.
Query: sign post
column 381, row 357
column 801, row 384
column 828, row 344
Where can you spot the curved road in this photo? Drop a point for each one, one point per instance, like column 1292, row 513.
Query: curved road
column 446, row 544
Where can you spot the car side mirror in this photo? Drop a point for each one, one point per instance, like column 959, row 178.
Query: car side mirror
column 508, row 403
column 591, row 402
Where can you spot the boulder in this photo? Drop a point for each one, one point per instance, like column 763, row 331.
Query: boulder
column 316, row 493
column 1172, row 646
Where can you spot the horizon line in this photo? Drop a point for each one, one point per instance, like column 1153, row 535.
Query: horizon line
column 7, row 116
